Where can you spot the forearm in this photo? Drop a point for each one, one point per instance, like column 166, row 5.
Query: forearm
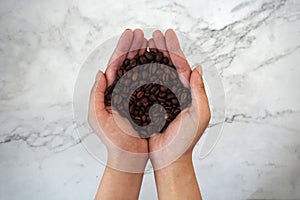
column 119, row 185
column 178, row 180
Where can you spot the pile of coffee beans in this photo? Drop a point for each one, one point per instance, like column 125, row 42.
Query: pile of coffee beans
column 148, row 92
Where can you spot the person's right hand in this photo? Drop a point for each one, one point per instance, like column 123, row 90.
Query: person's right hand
column 126, row 152
column 183, row 133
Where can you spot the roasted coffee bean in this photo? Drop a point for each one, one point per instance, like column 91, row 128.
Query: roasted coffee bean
column 183, row 96
column 152, row 69
column 167, row 70
column 140, row 94
column 126, row 62
column 168, row 103
column 131, row 108
column 147, row 94
column 153, row 78
column 143, row 134
column 117, row 99
column 133, row 85
column 164, row 77
column 133, row 63
column 153, row 51
column 174, row 101
column 144, row 118
column 137, row 117
column 142, row 100
column 126, row 82
column 165, row 60
column 144, row 123
column 167, row 115
column 139, row 103
column 144, row 74
column 163, row 89
column 162, row 94
column 170, row 96
column 135, row 76
column 173, row 74
column 159, row 56
column 154, row 89
column 149, row 56
column 177, row 111
column 142, row 60
column 127, row 68
column 148, row 86
column 152, row 97
column 161, row 100
column 120, row 73
column 156, row 92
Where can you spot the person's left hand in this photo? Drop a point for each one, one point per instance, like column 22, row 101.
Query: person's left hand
column 184, row 132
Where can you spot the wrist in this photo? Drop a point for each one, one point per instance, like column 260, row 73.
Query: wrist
column 169, row 158
column 115, row 184
column 183, row 162
column 178, row 176
column 127, row 161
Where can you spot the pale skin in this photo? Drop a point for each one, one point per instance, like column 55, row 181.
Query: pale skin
column 173, row 181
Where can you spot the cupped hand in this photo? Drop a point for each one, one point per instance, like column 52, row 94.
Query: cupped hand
column 126, row 152
column 130, row 153
column 183, row 133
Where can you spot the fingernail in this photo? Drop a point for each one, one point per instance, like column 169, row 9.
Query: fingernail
column 126, row 30
column 99, row 75
column 199, row 69
column 169, row 29
column 138, row 29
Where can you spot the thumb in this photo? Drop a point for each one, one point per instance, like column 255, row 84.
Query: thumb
column 97, row 106
column 199, row 97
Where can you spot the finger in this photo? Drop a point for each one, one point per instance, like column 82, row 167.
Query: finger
column 151, row 44
column 144, row 47
column 137, row 42
column 118, row 55
column 160, row 42
column 176, row 54
column 199, row 97
column 97, row 105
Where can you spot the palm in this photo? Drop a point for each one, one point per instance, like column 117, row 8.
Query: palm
column 193, row 128
column 122, row 134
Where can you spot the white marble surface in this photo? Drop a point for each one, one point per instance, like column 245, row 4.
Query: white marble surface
column 254, row 44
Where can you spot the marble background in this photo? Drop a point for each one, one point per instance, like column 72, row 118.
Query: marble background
column 255, row 45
